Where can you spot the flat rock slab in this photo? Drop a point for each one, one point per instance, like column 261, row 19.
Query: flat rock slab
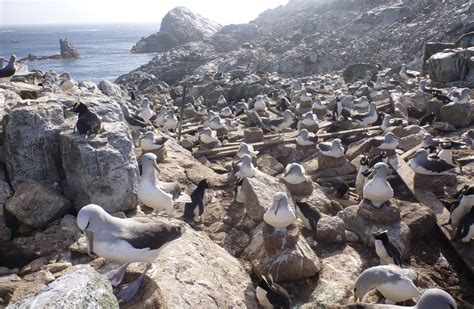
column 274, row 243
column 384, row 215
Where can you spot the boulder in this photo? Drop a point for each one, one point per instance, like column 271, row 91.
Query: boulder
column 103, row 170
column 37, row 205
column 466, row 40
column 398, row 231
column 432, row 48
column 287, row 264
column 358, row 71
column 194, row 272
column 5, row 193
column 258, row 192
column 32, row 143
column 331, row 230
column 299, row 191
column 84, row 288
column 111, row 89
column 232, row 37
column 179, row 26
column 269, row 165
column 458, row 115
column 340, row 269
column 451, row 65
column 68, row 50
column 420, row 219
column 273, row 244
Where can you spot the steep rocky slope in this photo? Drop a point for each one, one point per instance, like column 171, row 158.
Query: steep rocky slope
column 306, row 37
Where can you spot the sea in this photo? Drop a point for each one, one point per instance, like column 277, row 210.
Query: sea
column 105, row 49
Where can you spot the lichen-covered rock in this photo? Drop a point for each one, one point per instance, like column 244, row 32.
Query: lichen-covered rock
column 287, row 264
column 458, row 115
column 36, row 205
column 32, row 143
column 331, row 230
column 83, row 288
column 450, row 65
column 103, row 170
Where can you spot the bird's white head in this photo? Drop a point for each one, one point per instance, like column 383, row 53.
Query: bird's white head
column 149, row 161
column 90, row 217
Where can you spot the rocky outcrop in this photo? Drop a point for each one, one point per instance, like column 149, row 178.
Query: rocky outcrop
column 32, row 143
column 84, row 288
column 179, row 26
column 452, row 65
column 194, row 272
column 37, row 205
column 68, row 50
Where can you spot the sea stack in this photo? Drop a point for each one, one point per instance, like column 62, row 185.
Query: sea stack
column 68, row 50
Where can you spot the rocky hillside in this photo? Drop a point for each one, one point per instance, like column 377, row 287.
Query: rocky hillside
column 306, row 37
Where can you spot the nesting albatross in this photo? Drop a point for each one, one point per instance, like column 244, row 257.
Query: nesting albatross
column 124, row 241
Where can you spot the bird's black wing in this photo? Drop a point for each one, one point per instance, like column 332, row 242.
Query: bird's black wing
column 394, row 253
column 278, row 297
column 150, row 235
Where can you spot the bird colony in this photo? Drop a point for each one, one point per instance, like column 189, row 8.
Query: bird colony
column 316, row 186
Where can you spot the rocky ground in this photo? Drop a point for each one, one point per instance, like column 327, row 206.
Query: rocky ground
column 48, row 172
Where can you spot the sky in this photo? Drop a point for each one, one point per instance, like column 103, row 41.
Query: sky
column 17, row 12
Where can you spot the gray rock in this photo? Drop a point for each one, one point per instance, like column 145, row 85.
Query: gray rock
column 32, row 143
column 103, row 170
column 269, row 165
column 466, row 40
column 232, row 37
column 84, row 288
column 420, row 219
column 258, row 192
column 458, row 115
column 5, row 193
column 179, row 26
column 450, row 65
column 432, row 48
column 36, row 205
column 111, row 89
column 359, row 71
column 68, row 50
column 331, row 230
column 288, row 264
column 398, row 231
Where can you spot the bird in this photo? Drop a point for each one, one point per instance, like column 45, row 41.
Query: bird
column 294, row 174
column 465, row 230
column 308, row 214
column 430, row 142
column 216, row 123
column 319, row 105
column 387, row 252
column 461, row 207
column 361, row 103
column 146, row 113
column 460, row 95
column 246, row 149
column 279, row 214
column 388, row 142
column 428, row 119
column 366, row 119
column 195, row 209
column 271, row 295
column 149, row 142
column 282, row 123
column 446, row 153
column 161, row 117
column 424, row 89
column 308, row 120
column 332, row 149
column 378, row 190
column 152, row 194
column 340, row 111
column 10, row 69
column 404, row 74
column 304, row 139
column 393, row 282
column 68, row 84
column 171, row 121
column 88, row 123
column 231, row 125
column 382, row 157
column 124, row 241
column 283, row 104
column 361, row 178
column 260, row 105
column 304, row 96
column 434, row 299
column 226, row 112
column 424, row 165
column 246, row 168
column 221, row 101
column 208, row 136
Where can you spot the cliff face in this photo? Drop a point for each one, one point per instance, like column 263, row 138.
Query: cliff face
column 179, row 26
column 310, row 36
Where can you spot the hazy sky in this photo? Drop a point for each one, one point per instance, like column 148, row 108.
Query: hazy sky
column 109, row 11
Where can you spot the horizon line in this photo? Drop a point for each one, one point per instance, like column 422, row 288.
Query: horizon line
column 83, row 23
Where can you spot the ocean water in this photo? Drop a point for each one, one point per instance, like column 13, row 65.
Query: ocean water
column 105, row 49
